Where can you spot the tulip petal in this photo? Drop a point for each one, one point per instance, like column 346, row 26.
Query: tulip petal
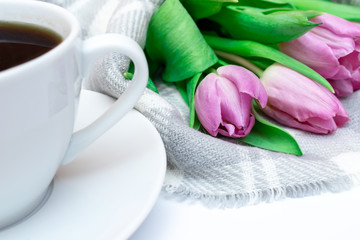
column 356, row 83
column 340, row 45
column 249, row 126
column 313, row 52
column 325, row 125
column 343, row 73
column 230, row 129
column 245, row 81
column 342, row 88
column 341, row 120
column 207, row 104
column 288, row 120
column 341, row 116
column 337, row 25
column 221, row 108
column 240, row 132
column 235, row 106
column 352, row 63
column 301, row 97
column 296, row 101
column 357, row 44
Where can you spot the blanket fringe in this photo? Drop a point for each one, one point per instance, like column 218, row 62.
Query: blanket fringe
column 180, row 193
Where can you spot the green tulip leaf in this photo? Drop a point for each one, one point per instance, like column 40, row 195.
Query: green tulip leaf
column 181, row 87
column 265, row 3
column 199, row 9
column 187, row 90
column 351, row 13
column 175, row 41
column 267, row 26
column 246, row 48
column 191, row 88
column 268, row 136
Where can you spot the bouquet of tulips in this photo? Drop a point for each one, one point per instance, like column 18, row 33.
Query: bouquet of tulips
column 248, row 67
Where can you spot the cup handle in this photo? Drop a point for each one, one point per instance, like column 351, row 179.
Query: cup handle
column 92, row 50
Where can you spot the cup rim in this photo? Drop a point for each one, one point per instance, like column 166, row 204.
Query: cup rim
column 62, row 14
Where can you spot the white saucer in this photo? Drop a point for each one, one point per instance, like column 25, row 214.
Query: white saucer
column 107, row 191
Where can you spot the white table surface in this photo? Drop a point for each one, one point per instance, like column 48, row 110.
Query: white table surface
column 326, row 217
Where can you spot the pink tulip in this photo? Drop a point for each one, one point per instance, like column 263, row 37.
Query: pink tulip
column 331, row 49
column 223, row 101
column 297, row 101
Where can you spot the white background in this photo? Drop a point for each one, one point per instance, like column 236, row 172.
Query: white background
column 329, row 216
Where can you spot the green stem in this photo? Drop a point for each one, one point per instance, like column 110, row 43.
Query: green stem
column 210, row 70
column 241, row 61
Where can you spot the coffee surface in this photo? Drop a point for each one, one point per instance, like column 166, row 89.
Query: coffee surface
column 20, row 42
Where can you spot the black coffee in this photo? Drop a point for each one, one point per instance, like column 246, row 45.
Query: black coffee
column 20, row 42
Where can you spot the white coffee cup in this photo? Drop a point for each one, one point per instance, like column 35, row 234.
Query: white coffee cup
column 38, row 102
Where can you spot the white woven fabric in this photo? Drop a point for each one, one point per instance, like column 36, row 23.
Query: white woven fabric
column 218, row 172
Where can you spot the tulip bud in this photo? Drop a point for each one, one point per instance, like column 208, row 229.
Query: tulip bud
column 331, row 49
column 223, row 101
column 297, row 101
